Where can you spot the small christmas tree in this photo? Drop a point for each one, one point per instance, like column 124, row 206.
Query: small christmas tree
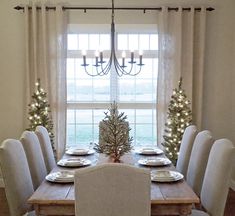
column 114, row 139
column 179, row 116
column 39, row 112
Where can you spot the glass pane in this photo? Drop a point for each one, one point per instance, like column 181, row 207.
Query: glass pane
column 71, row 90
column 153, row 42
column 70, row 135
column 83, row 41
column 84, row 90
column 72, row 42
column 80, row 72
column 105, row 42
column 144, row 42
column 70, row 68
column 122, row 42
column 130, row 113
column 94, row 43
column 144, row 90
column 147, row 69
column 101, row 90
column 99, row 116
column 133, row 42
column 127, row 90
column 83, row 116
column 84, row 135
column 155, row 68
column 96, row 133
column 144, row 116
column 144, row 134
column 70, row 116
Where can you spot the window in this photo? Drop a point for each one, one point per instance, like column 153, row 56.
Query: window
column 89, row 97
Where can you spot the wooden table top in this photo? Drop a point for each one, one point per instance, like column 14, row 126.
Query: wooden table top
column 161, row 193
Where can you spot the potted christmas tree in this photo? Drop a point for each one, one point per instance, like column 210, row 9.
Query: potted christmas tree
column 114, row 140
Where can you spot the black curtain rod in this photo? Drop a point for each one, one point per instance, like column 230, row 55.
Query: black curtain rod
column 116, row 8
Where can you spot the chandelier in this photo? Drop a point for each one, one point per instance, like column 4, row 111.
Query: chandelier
column 103, row 68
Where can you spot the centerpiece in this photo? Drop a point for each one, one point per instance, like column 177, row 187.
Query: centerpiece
column 114, row 140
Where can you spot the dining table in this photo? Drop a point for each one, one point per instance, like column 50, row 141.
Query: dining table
column 167, row 198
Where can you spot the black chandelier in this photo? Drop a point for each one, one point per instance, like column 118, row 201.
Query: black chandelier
column 102, row 68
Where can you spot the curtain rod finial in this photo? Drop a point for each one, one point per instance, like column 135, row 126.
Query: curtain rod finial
column 18, row 7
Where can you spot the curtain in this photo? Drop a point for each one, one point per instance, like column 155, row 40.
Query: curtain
column 181, row 53
column 45, row 35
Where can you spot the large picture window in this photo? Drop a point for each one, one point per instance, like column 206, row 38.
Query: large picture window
column 89, row 97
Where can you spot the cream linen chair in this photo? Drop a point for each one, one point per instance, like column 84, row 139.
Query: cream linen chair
column 34, row 156
column 16, row 175
column 198, row 160
column 216, row 180
column 112, row 190
column 47, row 151
column 185, row 149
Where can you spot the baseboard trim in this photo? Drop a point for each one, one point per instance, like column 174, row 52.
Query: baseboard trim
column 232, row 184
column 1, row 183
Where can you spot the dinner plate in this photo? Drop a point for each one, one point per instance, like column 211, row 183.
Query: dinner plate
column 63, row 176
column 149, row 151
column 154, row 161
column 73, row 162
column 79, row 151
column 166, row 176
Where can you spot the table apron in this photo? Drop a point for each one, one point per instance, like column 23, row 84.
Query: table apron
column 156, row 209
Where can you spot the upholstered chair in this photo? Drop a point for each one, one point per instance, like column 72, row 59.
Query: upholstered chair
column 185, row 149
column 34, row 156
column 198, row 160
column 16, row 176
column 217, row 178
column 112, row 189
column 46, row 147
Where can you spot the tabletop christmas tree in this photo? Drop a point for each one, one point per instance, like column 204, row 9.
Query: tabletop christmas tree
column 179, row 116
column 39, row 112
column 114, row 139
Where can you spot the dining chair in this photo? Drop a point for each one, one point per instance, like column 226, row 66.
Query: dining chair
column 112, row 189
column 185, row 149
column 46, row 147
column 16, row 176
column 198, row 160
column 34, row 156
column 217, row 178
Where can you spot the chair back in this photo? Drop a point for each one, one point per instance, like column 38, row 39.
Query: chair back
column 34, row 156
column 198, row 160
column 217, row 177
column 185, row 149
column 112, row 189
column 16, row 176
column 46, row 147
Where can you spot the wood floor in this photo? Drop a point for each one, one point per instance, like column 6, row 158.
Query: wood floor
column 229, row 209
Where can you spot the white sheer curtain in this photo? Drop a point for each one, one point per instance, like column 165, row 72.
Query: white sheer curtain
column 45, row 34
column 181, row 53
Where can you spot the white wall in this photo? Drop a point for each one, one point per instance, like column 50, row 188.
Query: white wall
column 219, row 96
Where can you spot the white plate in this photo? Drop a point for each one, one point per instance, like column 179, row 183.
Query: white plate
column 149, row 151
column 154, row 161
column 73, row 162
column 63, row 176
column 165, row 176
column 79, row 151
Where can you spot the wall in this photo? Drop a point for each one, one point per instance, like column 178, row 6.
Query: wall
column 219, row 96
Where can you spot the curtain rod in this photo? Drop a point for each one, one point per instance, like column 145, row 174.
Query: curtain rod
column 116, row 8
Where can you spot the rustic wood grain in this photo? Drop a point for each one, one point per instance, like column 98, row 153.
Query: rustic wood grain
column 166, row 198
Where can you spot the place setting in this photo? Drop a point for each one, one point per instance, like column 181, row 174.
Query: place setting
column 63, row 176
column 156, row 161
column 166, row 176
column 74, row 162
column 149, row 151
column 80, row 151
